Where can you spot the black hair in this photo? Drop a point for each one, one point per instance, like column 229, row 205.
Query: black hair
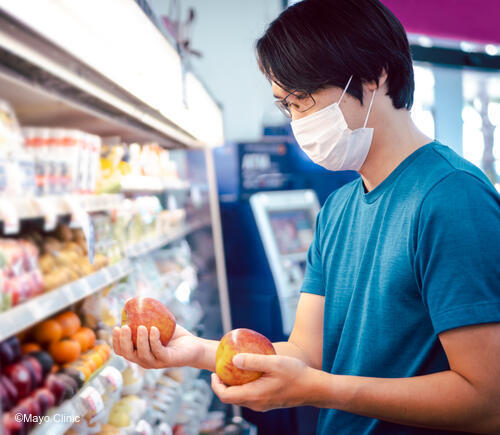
column 319, row 43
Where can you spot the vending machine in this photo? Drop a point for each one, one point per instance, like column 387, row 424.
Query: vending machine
column 285, row 220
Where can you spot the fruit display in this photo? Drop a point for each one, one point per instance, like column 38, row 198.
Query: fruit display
column 126, row 410
column 50, row 365
column 63, row 256
column 25, row 385
column 148, row 312
column 237, row 341
column 20, row 276
column 136, row 167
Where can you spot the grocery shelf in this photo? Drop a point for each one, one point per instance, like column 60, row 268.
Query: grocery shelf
column 28, row 313
column 144, row 184
column 72, row 408
column 61, row 205
column 151, row 245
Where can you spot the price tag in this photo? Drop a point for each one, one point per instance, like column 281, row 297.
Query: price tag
column 9, row 216
column 47, row 209
column 111, row 378
column 76, row 210
column 91, row 401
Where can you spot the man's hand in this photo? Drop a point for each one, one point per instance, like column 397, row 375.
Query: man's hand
column 285, row 383
column 184, row 349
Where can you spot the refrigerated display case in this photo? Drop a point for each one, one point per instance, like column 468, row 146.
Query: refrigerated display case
column 74, row 79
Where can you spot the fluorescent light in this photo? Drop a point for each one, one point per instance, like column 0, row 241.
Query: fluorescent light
column 424, row 41
column 467, row 46
column 491, row 49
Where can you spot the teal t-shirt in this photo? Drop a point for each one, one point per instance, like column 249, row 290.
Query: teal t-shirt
column 416, row 256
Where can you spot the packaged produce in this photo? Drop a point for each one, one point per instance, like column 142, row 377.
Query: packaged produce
column 20, row 277
column 65, row 161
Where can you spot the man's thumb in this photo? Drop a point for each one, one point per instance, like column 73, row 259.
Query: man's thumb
column 251, row 361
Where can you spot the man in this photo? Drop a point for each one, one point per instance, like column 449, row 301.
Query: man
column 397, row 328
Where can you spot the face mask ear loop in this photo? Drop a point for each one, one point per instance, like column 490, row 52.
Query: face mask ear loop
column 369, row 108
column 345, row 89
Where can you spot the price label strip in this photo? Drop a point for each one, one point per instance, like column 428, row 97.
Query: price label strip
column 47, row 209
column 9, row 216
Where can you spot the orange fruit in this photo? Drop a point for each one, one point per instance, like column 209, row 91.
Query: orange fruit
column 86, row 338
column 105, row 348
column 70, row 323
column 65, row 351
column 47, row 331
column 91, row 364
column 82, row 368
column 99, row 358
column 30, row 347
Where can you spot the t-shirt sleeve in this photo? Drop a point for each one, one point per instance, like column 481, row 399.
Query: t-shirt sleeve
column 313, row 277
column 457, row 261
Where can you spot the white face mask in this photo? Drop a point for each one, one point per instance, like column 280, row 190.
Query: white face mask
column 327, row 140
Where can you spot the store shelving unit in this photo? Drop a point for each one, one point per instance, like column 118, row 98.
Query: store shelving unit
column 29, row 208
column 51, row 77
column 71, row 409
column 147, row 246
column 34, row 310
column 150, row 185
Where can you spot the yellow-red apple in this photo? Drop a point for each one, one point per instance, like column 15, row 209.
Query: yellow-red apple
column 240, row 341
column 148, row 312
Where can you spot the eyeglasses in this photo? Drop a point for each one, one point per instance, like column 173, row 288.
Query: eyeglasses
column 307, row 101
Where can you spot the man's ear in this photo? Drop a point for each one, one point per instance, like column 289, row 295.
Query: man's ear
column 383, row 78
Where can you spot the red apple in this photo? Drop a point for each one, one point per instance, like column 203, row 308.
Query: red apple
column 31, row 403
column 45, row 399
column 57, row 387
column 240, row 341
column 71, row 386
column 10, row 388
column 148, row 312
column 5, row 398
column 11, row 426
column 6, row 353
column 35, row 369
column 15, row 345
column 20, row 377
column 45, row 361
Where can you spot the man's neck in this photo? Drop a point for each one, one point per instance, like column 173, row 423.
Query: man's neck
column 395, row 137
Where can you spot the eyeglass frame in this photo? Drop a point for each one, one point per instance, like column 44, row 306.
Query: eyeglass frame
column 280, row 104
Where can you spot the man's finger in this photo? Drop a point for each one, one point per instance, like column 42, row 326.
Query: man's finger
column 143, row 350
column 236, row 395
column 252, row 361
column 219, row 388
column 116, row 341
column 126, row 345
column 157, row 348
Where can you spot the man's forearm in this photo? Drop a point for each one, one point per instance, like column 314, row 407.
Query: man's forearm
column 206, row 360
column 443, row 400
column 287, row 348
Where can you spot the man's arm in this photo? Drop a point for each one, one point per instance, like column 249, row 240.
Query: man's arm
column 186, row 349
column 466, row 397
column 306, row 339
column 305, row 342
